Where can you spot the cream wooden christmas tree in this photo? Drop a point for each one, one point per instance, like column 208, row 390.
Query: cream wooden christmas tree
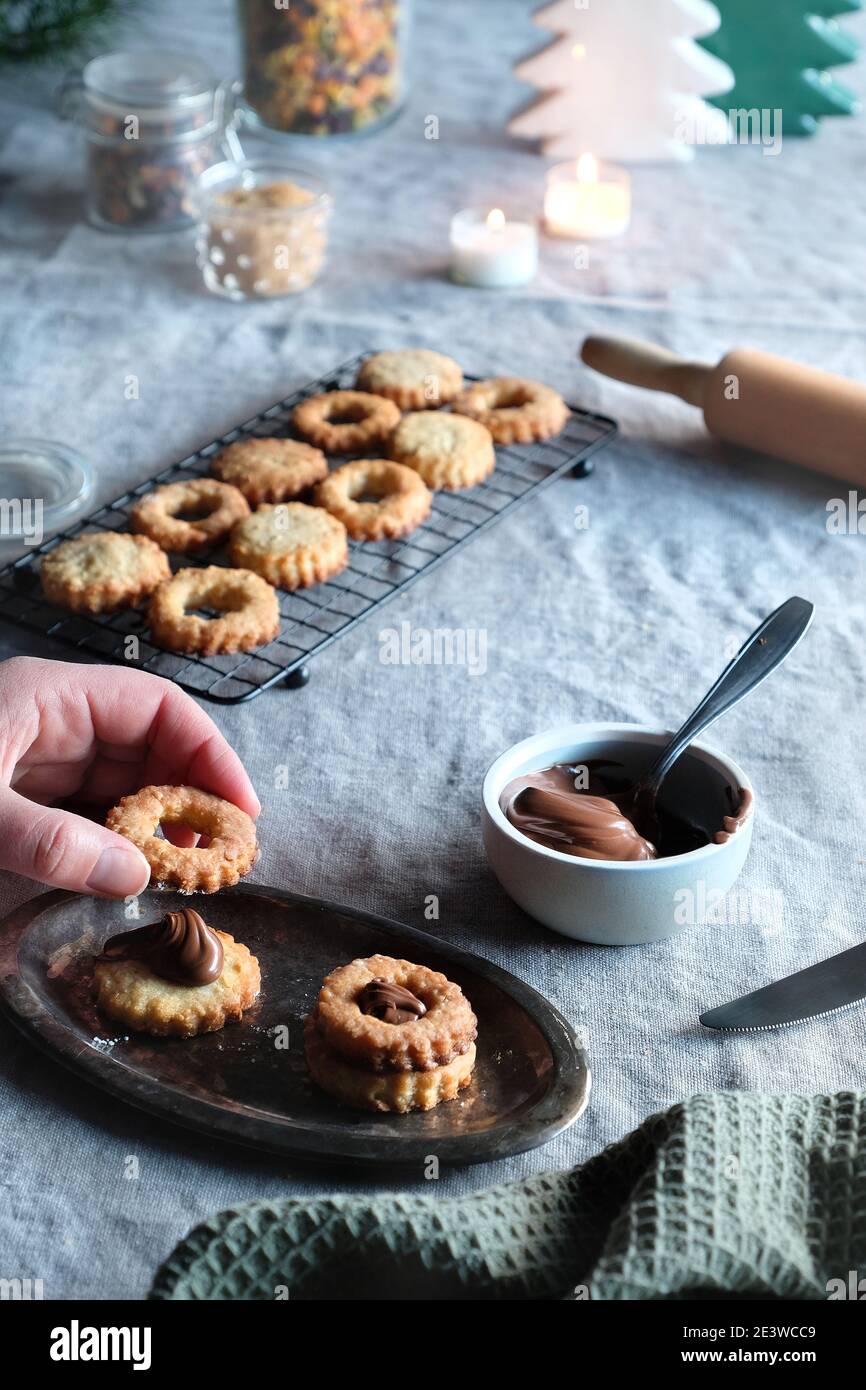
column 625, row 79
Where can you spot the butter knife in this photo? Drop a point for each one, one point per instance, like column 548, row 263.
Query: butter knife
column 818, row 990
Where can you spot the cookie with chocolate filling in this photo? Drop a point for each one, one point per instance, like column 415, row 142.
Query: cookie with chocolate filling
column 387, row 1034
column 175, row 978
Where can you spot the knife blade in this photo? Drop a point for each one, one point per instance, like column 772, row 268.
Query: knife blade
column 818, row 990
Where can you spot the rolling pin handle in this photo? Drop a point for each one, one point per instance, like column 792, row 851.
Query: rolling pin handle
column 645, row 364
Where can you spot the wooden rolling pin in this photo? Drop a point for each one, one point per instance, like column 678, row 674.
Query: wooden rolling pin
column 754, row 399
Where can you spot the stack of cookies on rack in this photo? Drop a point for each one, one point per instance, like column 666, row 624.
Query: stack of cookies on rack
column 411, row 427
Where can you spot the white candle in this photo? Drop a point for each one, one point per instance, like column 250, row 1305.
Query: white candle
column 587, row 200
column 489, row 251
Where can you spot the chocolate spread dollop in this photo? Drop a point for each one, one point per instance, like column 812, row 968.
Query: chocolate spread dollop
column 389, row 1002
column 181, row 947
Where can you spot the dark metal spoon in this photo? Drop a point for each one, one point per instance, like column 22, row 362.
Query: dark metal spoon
column 760, row 654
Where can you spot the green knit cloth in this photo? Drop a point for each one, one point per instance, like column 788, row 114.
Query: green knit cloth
column 752, row 1195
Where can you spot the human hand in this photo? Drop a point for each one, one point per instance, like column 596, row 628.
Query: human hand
column 96, row 733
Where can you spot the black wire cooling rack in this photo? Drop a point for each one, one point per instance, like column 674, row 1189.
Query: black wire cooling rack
column 311, row 619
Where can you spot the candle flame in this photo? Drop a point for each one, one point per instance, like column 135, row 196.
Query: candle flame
column 496, row 220
column 578, row 51
column 587, row 169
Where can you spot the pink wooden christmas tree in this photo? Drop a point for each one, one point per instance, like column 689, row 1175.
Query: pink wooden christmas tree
column 624, row 79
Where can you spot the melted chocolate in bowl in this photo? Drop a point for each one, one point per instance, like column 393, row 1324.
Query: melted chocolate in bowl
column 593, row 819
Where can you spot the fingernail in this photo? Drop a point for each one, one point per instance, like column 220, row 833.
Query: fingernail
column 119, row 873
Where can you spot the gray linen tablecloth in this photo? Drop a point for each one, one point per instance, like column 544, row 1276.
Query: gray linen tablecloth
column 688, row 545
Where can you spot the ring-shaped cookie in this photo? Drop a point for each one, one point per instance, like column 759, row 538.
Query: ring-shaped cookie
column 291, row 544
column 376, row 499
column 270, row 470
column 230, row 854
column 413, row 378
column 216, row 506
column 103, row 570
column 515, row 410
column 247, row 608
column 346, row 422
column 447, row 1029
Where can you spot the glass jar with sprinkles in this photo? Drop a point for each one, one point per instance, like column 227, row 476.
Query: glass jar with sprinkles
column 263, row 228
column 323, row 67
column 153, row 123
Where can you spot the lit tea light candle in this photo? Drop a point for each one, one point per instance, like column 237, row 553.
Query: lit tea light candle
column 587, row 201
column 490, row 252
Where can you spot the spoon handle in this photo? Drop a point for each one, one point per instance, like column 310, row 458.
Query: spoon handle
column 760, row 654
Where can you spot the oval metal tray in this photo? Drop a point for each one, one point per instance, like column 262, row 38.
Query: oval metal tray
column 244, row 1083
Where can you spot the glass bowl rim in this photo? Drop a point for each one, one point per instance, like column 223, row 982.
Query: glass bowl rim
column 220, row 178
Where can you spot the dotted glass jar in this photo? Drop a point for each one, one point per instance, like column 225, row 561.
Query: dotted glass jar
column 263, row 228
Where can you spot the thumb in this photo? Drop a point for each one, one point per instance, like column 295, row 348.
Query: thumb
column 67, row 851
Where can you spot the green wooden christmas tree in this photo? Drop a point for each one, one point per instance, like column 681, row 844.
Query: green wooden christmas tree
column 780, row 51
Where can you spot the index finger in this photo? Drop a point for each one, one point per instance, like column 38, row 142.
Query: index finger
column 184, row 745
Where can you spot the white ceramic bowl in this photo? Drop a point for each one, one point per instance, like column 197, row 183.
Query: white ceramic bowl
column 605, row 901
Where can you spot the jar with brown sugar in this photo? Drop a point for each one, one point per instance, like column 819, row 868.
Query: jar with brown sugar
column 263, row 228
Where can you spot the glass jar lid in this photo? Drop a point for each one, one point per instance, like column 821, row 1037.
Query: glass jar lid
column 149, row 78
column 145, row 95
column 44, row 487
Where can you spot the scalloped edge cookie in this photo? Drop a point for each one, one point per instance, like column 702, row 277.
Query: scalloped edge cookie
column 446, row 451
column 446, row 1030
column 395, row 1091
column 514, row 409
column 370, row 420
column 155, row 515
column 130, row 993
column 291, row 545
column 413, row 378
column 238, row 629
column 232, row 850
column 403, row 499
column 103, row 570
column 270, row 470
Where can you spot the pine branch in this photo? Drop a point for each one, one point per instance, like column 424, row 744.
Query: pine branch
column 33, row 29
